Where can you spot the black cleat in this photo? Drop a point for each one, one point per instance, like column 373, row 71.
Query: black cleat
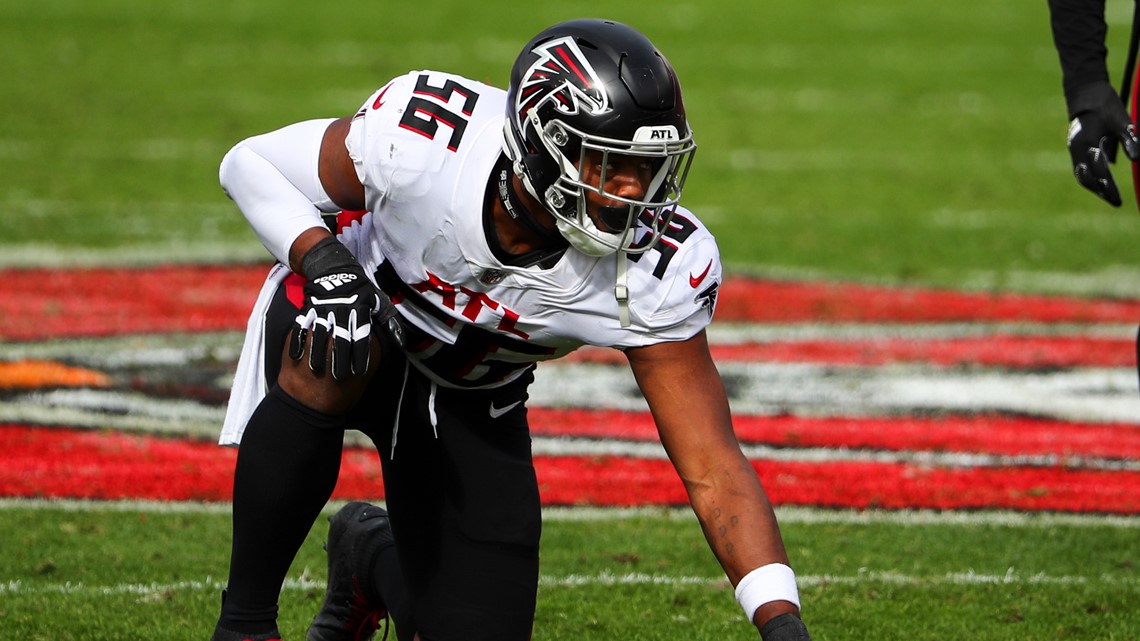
column 352, row 611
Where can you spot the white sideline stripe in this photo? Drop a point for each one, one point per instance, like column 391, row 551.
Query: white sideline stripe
column 564, row 446
column 178, row 348
column 194, row 420
column 790, row 514
column 737, row 333
column 1095, row 395
column 136, row 350
column 126, row 404
column 1121, row 281
column 130, row 422
column 207, row 252
column 125, row 411
column 785, row 514
column 81, row 505
column 1010, row 577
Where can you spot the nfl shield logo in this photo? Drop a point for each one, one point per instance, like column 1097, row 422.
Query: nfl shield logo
column 492, row 276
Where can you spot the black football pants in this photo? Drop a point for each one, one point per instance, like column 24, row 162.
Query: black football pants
column 460, row 489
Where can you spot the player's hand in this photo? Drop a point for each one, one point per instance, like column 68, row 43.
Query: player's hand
column 1099, row 122
column 340, row 302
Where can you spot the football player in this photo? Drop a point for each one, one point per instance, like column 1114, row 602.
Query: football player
column 492, row 230
column 1098, row 120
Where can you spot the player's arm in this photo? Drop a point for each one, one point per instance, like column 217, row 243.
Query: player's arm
column 282, row 181
column 338, row 180
column 1079, row 30
column 1098, row 119
column 690, row 407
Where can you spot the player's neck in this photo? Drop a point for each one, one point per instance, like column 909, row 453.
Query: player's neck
column 514, row 237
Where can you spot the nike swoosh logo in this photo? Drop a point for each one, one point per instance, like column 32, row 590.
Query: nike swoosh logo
column 496, row 412
column 379, row 102
column 694, row 281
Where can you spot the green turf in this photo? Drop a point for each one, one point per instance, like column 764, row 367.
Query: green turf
column 879, row 140
column 112, row 574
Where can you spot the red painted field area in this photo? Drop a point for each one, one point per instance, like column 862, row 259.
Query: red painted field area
column 56, row 463
column 914, row 459
column 38, row 304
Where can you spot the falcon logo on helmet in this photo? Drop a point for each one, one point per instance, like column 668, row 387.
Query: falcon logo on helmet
column 563, row 77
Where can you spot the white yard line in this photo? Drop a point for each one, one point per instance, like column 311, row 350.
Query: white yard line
column 785, row 514
column 741, row 333
column 198, row 252
column 179, row 348
column 1010, row 577
column 142, row 415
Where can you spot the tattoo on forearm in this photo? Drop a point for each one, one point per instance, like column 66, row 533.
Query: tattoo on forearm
column 724, row 530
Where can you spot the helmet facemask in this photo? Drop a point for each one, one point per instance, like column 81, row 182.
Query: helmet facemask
column 669, row 157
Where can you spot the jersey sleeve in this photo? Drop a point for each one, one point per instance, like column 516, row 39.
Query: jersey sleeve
column 389, row 154
column 673, row 290
column 1079, row 31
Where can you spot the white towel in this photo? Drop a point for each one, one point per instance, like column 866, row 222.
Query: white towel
column 249, row 385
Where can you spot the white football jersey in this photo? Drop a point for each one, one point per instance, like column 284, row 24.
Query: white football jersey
column 425, row 146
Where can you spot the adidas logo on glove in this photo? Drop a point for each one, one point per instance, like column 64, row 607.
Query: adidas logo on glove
column 333, row 281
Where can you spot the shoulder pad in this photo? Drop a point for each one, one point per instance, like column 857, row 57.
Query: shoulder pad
column 675, row 283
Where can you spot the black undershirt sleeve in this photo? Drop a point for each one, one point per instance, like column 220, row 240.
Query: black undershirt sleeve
column 1079, row 34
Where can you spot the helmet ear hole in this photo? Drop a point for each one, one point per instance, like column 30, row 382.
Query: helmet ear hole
column 559, row 136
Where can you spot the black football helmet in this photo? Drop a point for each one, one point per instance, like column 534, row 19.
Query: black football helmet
column 597, row 86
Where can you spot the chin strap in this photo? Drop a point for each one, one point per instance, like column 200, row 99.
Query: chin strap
column 621, row 288
column 519, row 212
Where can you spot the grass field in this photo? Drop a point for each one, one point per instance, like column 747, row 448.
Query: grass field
column 879, row 141
column 137, row 572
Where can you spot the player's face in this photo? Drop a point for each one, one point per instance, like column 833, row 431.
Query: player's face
column 617, row 175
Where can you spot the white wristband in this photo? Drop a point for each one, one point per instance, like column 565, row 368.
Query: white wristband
column 772, row 582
